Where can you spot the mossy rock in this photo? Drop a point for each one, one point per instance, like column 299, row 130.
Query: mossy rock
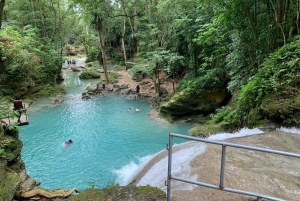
column 122, row 193
column 283, row 107
column 75, row 69
column 183, row 104
column 206, row 130
column 89, row 74
column 43, row 91
column 9, row 182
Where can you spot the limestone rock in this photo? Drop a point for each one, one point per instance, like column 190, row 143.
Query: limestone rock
column 75, row 69
column 183, row 104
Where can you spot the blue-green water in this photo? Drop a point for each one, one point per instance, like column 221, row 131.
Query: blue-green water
column 106, row 138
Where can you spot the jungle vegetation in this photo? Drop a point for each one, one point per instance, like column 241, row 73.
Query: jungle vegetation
column 249, row 48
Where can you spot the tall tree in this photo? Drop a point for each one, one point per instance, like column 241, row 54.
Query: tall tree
column 2, row 4
column 98, row 12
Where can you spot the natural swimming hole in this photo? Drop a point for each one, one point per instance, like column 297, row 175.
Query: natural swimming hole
column 109, row 143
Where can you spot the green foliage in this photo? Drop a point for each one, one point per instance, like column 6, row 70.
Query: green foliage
column 25, row 59
column 221, row 114
column 6, row 91
column 94, row 56
column 206, row 129
column 114, row 77
column 136, row 68
column 89, row 74
column 209, row 79
column 280, row 69
column 46, row 90
column 6, row 147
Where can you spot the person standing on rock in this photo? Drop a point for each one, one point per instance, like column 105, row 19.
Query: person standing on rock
column 18, row 106
column 137, row 90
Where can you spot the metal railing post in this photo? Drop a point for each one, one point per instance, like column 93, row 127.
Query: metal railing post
column 169, row 168
column 223, row 160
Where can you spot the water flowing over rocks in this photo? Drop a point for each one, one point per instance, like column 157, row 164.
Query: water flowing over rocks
column 264, row 173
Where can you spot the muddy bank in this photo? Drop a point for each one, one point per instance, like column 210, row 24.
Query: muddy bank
column 254, row 171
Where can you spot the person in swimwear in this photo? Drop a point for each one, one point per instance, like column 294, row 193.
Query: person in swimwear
column 137, row 109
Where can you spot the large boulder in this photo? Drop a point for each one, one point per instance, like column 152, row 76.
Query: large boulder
column 183, row 104
column 9, row 182
column 283, row 107
column 75, row 69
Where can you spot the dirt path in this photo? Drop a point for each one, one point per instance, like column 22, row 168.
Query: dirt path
column 146, row 88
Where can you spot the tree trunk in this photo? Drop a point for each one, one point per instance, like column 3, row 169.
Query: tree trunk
column 135, row 26
column 43, row 21
column 2, row 4
column 157, row 76
column 102, row 48
column 173, row 80
column 123, row 34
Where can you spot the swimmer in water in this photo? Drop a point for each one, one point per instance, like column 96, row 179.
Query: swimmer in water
column 68, row 143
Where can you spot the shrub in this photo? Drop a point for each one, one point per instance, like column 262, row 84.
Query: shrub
column 89, row 74
column 114, row 77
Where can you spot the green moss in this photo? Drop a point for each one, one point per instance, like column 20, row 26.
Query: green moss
column 44, row 91
column 283, row 107
column 119, row 68
column 206, row 129
column 9, row 182
column 90, row 194
column 122, row 193
column 114, row 77
column 151, row 193
column 89, row 74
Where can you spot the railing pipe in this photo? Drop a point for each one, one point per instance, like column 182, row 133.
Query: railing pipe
column 223, row 161
column 238, row 145
column 169, row 168
column 228, row 189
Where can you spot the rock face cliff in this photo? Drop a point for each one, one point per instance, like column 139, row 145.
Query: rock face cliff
column 183, row 104
column 11, row 164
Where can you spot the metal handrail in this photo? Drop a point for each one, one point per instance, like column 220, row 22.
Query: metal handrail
column 221, row 186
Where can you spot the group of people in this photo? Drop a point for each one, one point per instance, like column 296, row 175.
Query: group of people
column 136, row 109
column 71, row 61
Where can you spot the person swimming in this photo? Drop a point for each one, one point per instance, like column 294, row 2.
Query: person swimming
column 137, row 109
column 68, row 143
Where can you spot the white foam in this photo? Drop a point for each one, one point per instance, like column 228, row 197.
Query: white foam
column 157, row 175
column 181, row 159
column 293, row 130
column 127, row 172
column 241, row 133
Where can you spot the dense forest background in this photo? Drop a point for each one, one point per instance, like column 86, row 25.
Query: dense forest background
column 249, row 48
